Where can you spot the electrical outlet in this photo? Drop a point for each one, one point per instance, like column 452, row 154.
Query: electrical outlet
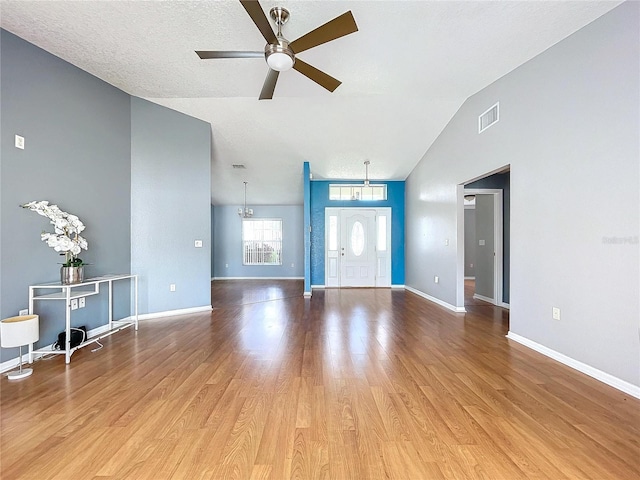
column 198, row 243
column 293, row 265
column 81, row 302
column 172, row 287
column 226, row 265
column 555, row 312
column 74, row 304
column 446, row 242
column 436, row 279
column 24, row 312
column 19, row 142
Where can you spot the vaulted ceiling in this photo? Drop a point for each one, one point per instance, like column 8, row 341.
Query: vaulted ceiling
column 404, row 74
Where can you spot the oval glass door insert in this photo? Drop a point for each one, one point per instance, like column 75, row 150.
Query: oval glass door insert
column 357, row 239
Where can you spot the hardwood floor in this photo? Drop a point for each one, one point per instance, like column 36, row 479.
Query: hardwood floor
column 351, row 384
column 469, row 290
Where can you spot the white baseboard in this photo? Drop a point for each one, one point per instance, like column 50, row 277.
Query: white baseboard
column 322, row 287
column 505, row 305
column 171, row 313
column 14, row 362
column 257, row 278
column 604, row 377
column 483, row 298
column 446, row 305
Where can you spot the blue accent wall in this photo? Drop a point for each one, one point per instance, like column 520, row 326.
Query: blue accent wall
column 320, row 201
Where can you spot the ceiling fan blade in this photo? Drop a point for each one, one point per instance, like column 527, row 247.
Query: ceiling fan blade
column 336, row 28
column 206, row 54
column 318, row 76
column 256, row 13
column 269, row 85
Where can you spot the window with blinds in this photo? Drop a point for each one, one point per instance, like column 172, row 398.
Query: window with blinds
column 261, row 241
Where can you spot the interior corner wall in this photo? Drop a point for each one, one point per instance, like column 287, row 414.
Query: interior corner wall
column 213, row 241
column 228, row 239
column 306, row 205
column 569, row 128
column 77, row 155
column 170, row 207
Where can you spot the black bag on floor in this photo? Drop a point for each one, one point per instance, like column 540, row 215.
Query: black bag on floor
column 78, row 335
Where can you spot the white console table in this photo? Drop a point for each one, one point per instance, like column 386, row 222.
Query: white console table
column 58, row 291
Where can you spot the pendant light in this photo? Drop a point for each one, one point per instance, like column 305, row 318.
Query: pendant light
column 366, row 178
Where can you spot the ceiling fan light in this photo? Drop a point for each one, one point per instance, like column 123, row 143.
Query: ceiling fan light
column 279, row 58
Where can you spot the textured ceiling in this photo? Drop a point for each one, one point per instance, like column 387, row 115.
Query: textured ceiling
column 405, row 73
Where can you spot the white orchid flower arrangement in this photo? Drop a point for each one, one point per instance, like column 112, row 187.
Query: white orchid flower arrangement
column 66, row 238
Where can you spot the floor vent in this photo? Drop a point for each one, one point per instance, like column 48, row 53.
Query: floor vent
column 489, row 118
column 238, row 165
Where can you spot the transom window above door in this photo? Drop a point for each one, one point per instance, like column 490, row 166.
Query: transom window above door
column 342, row 191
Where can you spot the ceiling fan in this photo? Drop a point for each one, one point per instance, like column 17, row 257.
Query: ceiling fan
column 280, row 54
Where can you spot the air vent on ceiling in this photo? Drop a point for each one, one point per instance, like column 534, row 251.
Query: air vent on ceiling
column 489, row 118
column 238, row 165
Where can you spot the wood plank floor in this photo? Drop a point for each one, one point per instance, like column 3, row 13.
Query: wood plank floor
column 351, row 384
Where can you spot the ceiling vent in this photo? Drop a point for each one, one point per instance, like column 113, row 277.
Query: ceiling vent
column 238, row 165
column 489, row 118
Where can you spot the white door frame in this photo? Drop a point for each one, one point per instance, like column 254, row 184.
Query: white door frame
column 497, row 233
column 332, row 258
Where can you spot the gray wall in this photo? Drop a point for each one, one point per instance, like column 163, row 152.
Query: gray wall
column 77, row 151
column 470, row 242
column 170, row 207
column 569, row 124
column 228, row 241
column 485, row 253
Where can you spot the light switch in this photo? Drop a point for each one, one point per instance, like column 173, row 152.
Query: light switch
column 198, row 243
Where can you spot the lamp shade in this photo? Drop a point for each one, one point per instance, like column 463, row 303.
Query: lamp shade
column 18, row 331
column 280, row 61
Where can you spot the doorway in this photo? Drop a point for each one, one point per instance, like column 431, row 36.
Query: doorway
column 487, row 245
column 357, row 247
column 486, row 236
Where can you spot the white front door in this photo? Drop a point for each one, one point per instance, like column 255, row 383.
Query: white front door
column 357, row 242
column 357, row 248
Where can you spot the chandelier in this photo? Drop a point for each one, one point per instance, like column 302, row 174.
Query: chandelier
column 245, row 212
